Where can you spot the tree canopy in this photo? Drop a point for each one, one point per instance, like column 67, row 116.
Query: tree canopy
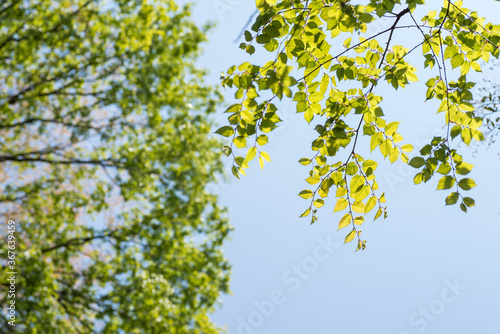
column 323, row 58
column 105, row 156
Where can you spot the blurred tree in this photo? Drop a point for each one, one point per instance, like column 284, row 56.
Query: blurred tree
column 105, row 156
column 488, row 107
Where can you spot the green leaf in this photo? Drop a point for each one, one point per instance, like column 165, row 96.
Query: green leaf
column 463, row 207
column 313, row 180
column 475, row 66
column 341, row 191
column 351, row 168
column 452, row 198
column 466, row 135
column 455, row 131
column 477, row 135
column 444, row 169
column 369, row 167
column 465, row 68
column 305, row 194
column 248, row 36
column 305, row 161
column 227, row 150
column 356, row 182
column 240, row 142
column 225, row 131
column 309, row 115
column 466, row 184
column 365, row 17
column 418, row 178
column 375, row 140
column 405, row 158
column 361, row 192
column 426, row 150
column 339, row 133
column 457, row 60
column 464, row 168
column 262, row 140
column 446, row 182
column 316, row 97
column 469, row 202
column 235, row 171
column 250, row 49
column 386, row 148
column 391, row 128
column 394, row 156
column 417, row 162
column 247, row 116
column 263, row 39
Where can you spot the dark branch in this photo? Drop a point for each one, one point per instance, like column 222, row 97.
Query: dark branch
column 79, row 241
column 22, row 158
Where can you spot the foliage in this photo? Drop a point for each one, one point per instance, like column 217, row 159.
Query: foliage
column 105, row 156
column 332, row 77
column 488, row 108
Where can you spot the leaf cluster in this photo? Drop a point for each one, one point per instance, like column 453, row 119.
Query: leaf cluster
column 333, row 79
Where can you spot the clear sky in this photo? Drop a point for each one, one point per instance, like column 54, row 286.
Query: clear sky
column 427, row 268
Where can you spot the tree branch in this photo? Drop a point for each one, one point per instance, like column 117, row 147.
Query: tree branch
column 79, row 241
column 22, row 158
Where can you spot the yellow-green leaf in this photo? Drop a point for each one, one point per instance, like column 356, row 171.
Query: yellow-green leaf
column 350, row 236
column 305, row 213
column 407, row 148
column 466, row 184
column 446, row 182
column 358, row 207
column 345, row 221
column 341, row 204
column 319, row 203
column 251, row 154
column 370, row 204
column 265, row 156
column 359, row 220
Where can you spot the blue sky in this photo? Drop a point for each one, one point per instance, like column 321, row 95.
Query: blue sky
column 427, row 268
